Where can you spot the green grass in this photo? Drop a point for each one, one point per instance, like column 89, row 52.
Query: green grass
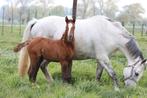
column 84, row 83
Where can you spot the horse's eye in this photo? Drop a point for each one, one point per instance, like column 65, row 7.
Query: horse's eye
column 136, row 74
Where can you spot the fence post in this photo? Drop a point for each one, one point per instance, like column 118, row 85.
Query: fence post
column 146, row 29
column 123, row 23
column 29, row 15
column 142, row 28
column 12, row 20
column 36, row 13
column 20, row 23
column 3, row 17
column 133, row 28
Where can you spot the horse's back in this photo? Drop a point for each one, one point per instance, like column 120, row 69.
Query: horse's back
column 48, row 26
column 93, row 35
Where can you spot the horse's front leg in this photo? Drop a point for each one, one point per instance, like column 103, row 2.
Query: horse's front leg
column 66, row 71
column 99, row 71
column 45, row 71
column 106, row 64
column 70, row 68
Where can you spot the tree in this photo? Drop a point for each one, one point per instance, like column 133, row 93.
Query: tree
column 85, row 8
column 101, row 7
column 110, row 8
column 74, row 9
column 131, row 13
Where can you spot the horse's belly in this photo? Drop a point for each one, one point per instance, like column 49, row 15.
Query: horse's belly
column 84, row 52
column 83, row 57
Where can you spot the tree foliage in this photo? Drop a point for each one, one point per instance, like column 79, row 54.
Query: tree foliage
column 110, row 8
column 131, row 13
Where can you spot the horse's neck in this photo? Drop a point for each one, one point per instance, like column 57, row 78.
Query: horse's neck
column 130, row 59
column 131, row 52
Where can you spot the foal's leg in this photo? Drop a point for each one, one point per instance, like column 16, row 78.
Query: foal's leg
column 45, row 71
column 34, row 67
column 106, row 64
column 70, row 68
column 66, row 71
column 99, row 71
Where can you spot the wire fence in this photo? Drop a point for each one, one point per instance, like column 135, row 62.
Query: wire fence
column 16, row 22
column 137, row 28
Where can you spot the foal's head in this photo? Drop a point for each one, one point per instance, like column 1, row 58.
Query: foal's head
column 70, row 28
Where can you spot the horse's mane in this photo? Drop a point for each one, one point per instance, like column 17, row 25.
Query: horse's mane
column 131, row 45
column 118, row 25
column 133, row 49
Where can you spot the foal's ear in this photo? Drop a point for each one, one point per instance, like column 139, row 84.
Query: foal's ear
column 74, row 20
column 66, row 19
column 144, row 61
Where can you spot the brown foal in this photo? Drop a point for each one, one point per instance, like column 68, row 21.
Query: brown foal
column 42, row 49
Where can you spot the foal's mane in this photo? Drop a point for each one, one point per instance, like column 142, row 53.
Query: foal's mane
column 133, row 49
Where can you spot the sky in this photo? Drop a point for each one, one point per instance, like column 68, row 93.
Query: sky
column 120, row 3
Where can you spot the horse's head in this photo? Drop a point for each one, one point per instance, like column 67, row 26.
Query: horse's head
column 70, row 28
column 133, row 73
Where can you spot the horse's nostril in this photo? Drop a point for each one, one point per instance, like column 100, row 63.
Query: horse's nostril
column 136, row 73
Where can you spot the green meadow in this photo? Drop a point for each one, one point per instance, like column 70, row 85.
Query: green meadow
column 84, row 83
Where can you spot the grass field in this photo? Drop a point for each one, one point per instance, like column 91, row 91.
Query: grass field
column 84, row 83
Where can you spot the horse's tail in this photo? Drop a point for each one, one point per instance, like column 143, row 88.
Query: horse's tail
column 20, row 46
column 24, row 57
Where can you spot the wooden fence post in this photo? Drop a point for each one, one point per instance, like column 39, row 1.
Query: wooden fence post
column 20, row 23
column 133, row 30
column 36, row 13
column 123, row 23
column 3, row 17
column 12, row 19
column 142, row 28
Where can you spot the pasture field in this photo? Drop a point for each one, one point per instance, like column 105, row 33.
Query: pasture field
column 84, row 84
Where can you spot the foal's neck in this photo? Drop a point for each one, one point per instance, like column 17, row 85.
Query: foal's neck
column 64, row 36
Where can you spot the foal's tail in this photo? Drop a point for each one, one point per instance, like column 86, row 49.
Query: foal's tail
column 20, row 46
column 23, row 62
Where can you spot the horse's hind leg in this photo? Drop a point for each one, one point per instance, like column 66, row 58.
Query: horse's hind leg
column 45, row 71
column 99, row 71
column 34, row 67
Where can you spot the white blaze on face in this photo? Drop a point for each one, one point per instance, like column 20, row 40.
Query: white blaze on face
column 69, row 26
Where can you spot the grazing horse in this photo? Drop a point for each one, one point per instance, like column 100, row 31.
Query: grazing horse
column 40, row 49
column 95, row 38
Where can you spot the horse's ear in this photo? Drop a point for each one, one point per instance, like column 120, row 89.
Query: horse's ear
column 144, row 61
column 66, row 19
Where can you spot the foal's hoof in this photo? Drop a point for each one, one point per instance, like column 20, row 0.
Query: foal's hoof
column 50, row 81
column 117, row 89
column 34, row 85
column 68, row 80
column 98, row 80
